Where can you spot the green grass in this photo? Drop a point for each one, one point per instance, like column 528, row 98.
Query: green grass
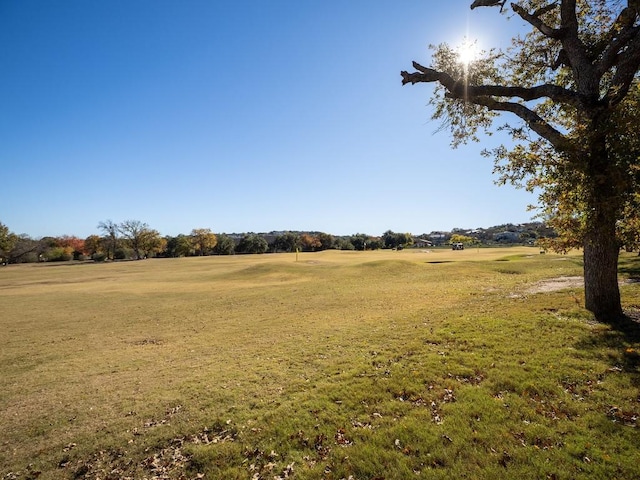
column 395, row 365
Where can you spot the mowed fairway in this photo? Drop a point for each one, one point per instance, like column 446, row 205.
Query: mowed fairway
column 362, row 365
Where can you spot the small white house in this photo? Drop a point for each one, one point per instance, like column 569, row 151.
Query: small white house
column 421, row 243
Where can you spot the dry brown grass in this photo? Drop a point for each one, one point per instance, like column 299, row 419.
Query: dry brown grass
column 121, row 358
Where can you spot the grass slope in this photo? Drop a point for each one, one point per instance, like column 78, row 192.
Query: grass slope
column 388, row 365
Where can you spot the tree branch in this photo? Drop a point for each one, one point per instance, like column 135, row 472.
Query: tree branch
column 627, row 68
column 568, row 15
column 611, row 50
column 536, row 22
column 459, row 89
column 546, row 9
column 532, row 119
column 570, row 36
column 563, row 59
column 488, row 3
column 485, row 95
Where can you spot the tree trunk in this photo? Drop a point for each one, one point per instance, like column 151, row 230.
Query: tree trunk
column 604, row 206
column 602, row 295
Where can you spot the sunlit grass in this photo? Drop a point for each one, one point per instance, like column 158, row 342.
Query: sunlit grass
column 426, row 364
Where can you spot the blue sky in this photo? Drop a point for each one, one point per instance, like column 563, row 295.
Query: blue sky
column 236, row 116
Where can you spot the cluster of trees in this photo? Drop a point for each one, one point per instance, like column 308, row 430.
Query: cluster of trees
column 130, row 234
column 133, row 239
column 16, row 248
column 252, row 243
column 129, row 239
column 392, row 239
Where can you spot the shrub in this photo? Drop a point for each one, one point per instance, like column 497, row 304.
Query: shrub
column 59, row 254
column 99, row 257
column 121, row 254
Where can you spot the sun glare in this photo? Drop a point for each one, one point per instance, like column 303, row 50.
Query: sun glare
column 467, row 53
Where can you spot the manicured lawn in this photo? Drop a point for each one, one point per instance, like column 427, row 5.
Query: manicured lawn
column 394, row 365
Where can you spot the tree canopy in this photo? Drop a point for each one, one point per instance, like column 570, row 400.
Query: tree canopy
column 571, row 85
column 203, row 240
column 7, row 240
column 252, row 243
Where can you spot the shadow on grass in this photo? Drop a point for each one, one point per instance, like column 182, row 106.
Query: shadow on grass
column 630, row 267
column 623, row 336
column 70, row 263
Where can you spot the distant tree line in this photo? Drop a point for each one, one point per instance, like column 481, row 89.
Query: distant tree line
column 135, row 240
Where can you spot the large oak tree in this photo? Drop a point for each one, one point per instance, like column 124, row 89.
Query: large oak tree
column 571, row 85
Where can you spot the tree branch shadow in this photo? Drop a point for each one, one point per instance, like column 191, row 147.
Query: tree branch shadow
column 623, row 336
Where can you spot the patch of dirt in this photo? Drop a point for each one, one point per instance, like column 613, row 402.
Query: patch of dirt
column 554, row 284
column 561, row 283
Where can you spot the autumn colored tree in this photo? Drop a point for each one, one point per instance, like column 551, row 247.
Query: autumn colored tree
column 93, row 244
column 203, row 240
column 567, row 84
column 136, row 235
column 73, row 244
column 310, row 243
column 152, row 243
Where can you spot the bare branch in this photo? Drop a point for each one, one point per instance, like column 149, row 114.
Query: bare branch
column 488, row 3
column 536, row 22
column 425, row 75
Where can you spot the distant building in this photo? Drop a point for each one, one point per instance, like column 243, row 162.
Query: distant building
column 422, row 242
column 438, row 238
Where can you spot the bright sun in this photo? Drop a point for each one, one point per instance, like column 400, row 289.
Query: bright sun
column 467, row 53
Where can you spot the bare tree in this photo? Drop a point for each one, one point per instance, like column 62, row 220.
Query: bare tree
column 135, row 233
column 110, row 231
